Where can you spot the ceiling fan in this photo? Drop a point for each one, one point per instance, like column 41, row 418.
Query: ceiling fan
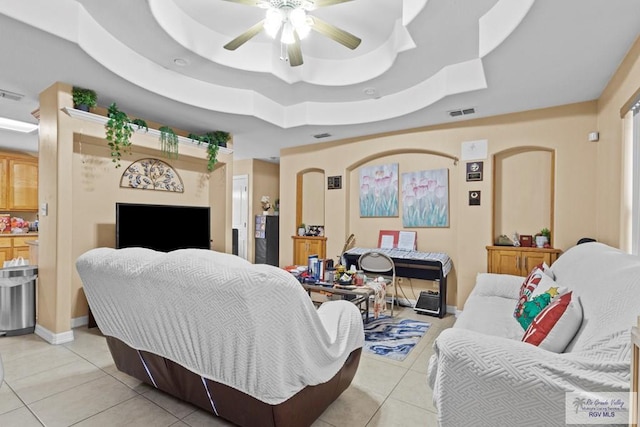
column 289, row 18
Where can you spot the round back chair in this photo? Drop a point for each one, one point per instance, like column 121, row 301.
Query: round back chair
column 377, row 262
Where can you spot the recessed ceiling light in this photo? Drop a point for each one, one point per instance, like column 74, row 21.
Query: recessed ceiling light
column 371, row 92
column 181, row 62
column 17, row 126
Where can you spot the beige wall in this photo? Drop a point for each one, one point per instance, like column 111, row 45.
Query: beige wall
column 97, row 189
column 313, row 198
column 588, row 186
column 589, row 176
column 80, row 184
column 612, row 227
column 562, row 129
column 523, row 192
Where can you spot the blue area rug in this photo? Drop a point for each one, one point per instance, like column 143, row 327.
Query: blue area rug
column 393, row 337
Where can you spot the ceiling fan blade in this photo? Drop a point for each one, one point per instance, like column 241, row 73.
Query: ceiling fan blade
column 294, row 52
column 335, row 33
column 245, row 37
column 255, row 3
column 323, row 3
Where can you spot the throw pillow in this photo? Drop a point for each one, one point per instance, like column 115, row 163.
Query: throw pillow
column 543, row 267
column 537, row 278
column 556, row 325
column 541, row 297
column 547, row 270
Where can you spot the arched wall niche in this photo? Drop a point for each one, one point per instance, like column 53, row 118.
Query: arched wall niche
column 310, row 198
column 366, row 229
column 524, row 191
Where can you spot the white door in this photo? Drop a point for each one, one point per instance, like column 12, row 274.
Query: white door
column 241, row 212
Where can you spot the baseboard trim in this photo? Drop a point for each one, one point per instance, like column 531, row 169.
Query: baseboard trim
column 51, row 338
column 452, row 309
column 76, row 322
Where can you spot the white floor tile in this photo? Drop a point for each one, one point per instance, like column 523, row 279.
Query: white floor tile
column 78, row 383
column 21, row 417
column 131, row 413
column 84, row 401
column 8, row 400
column 395, row 413
column 47, row 383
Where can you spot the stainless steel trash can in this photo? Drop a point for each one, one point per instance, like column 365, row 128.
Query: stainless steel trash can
column 18, row 300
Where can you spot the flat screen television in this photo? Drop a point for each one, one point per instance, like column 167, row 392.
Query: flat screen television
column 162, row 227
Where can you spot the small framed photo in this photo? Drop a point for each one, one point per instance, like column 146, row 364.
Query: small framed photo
column 526, row 240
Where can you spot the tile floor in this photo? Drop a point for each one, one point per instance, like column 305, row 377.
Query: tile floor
column 77, row 384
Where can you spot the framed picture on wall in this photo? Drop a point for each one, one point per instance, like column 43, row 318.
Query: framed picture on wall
column 379, row 190
column 425, row 198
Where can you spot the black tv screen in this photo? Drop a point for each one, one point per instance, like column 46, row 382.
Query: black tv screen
column 162, row 227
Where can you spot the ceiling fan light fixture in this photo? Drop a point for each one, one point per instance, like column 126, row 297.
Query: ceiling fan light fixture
column 287, row 34
column 301, row 22
column 273, row 22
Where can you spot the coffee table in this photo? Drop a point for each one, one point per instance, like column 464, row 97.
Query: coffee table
column 357, row 296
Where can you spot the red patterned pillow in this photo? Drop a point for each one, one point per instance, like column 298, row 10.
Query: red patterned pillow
column 556, row 325
column 542, row 267
column 528, row 286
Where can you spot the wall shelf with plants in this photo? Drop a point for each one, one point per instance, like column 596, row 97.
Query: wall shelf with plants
column 102, row 120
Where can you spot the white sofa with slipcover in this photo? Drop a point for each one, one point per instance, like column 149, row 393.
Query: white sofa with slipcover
column 482, row 374
column 242, row 341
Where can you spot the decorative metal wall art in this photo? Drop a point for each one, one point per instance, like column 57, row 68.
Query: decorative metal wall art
column 152, row 174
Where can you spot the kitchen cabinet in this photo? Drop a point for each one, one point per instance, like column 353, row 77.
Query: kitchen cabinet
column 23, row 184
column 303, row 246
column 21, row 247
column 518, row 260
column 4, row 185
column 6, row 249
column 14, row 247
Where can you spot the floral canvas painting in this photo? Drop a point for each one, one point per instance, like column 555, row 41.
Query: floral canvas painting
column 379, row 190
column 425, row 198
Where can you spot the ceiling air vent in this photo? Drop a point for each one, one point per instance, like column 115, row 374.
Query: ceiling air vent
column 10, row 95
column 461, row 112
column 322, row 135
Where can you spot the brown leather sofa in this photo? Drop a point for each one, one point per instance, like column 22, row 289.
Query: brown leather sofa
column 239, row 340
column 300, row 410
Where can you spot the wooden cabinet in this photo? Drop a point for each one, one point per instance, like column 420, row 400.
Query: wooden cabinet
column 517, row 260
column 6, row 249
column 21, row 248
column 4, row 185
column 303, row 246
column 18, row 182
column 23, row 184
column 14, row 247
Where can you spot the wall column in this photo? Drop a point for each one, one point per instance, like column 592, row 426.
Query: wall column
column 55, row 264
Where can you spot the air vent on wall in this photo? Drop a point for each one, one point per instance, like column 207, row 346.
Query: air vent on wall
column 461, row 112
column 322, row 135
column 10, row 95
